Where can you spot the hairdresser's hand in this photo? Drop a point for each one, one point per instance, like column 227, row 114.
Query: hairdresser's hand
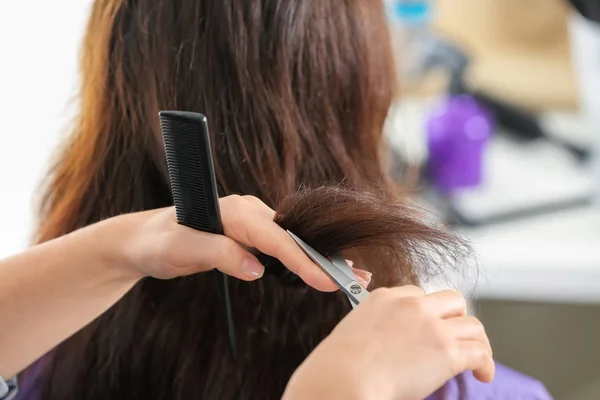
column 398, row 344
column 153, row 244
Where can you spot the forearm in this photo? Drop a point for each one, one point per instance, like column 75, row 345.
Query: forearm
column 53, row 290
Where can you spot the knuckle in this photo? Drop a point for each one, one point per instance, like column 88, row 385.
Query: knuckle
column 451, row 353
column 239, row 201
column 276, row 249
column 260, row 206
column 412, row 290
column 235, row 200
column 251, row 199
column 416, row 304
column 459, row 298
column 482, row 355
column 416, row 288
column 380, row 295
column 455, row 295
column 439, row 335
column 476, row 324
column 458, row 301
column 234, row 209
column 224, row 248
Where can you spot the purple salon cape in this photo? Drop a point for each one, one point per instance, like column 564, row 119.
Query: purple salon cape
column 507, row 385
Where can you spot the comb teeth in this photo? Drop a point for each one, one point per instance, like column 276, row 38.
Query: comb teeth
column 187, row 170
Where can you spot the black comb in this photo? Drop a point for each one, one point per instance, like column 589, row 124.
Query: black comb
column 194, row 187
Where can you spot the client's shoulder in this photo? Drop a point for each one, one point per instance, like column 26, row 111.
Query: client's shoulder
column 508, row 384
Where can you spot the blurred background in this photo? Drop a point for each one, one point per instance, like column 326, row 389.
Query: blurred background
column 497, row 131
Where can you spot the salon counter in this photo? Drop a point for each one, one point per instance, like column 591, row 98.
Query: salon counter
column 538, row 289
column 550, row 258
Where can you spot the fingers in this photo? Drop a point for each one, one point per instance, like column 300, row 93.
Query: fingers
column 473, row 355
column 447, row 303
column 468, row 328
column 226, row 255
column 474, row 349
column 363, row 277
column 252, row 225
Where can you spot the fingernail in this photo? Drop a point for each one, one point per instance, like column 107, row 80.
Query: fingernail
column 350, row 262
column 252, row 268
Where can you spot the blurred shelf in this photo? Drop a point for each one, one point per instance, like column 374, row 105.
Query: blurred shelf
column 552, row 258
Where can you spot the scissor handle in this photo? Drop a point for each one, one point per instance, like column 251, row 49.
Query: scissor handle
column 355, row 293
column 353, row 290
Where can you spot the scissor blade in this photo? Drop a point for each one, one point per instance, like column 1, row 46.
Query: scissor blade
column 340, row 262
column 339, row 277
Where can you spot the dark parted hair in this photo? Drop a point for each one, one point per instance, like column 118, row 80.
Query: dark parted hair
column 296, row 93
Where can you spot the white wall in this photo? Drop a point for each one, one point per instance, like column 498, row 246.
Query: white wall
column 39, row 42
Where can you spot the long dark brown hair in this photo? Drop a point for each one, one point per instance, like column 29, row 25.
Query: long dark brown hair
column 296, row 93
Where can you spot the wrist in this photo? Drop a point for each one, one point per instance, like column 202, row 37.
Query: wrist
column 107, row 241
column 318, row 381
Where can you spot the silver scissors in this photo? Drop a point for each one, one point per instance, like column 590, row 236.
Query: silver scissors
column 338, row 270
